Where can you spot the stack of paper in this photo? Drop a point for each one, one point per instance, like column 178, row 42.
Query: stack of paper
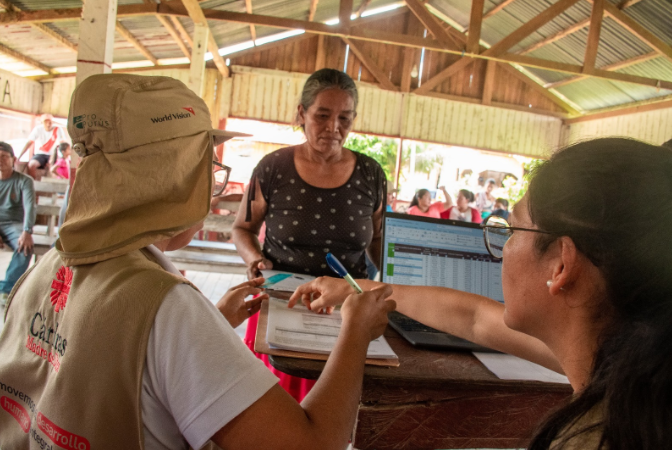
column 302, row 330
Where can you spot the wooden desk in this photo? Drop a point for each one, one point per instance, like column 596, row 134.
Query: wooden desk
column 440, row 400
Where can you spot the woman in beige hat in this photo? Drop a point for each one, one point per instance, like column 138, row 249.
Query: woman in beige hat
column 106, row 345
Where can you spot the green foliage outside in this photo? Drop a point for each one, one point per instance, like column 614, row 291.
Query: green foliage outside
column 384, row 151
column 515, row 189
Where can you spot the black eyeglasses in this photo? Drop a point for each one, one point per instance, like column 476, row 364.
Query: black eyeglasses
column 496, row 231
column 220, row 176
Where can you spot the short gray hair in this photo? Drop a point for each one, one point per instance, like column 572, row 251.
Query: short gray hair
column 325, row 79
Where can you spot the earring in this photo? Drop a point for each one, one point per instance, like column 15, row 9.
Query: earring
column 549, row 283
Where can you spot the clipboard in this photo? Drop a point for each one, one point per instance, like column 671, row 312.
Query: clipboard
column 261, row 345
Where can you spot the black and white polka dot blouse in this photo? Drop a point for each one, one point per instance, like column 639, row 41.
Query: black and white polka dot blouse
column 304, row 222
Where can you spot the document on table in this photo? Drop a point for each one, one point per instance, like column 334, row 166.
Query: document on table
column 302, row 330
column 509, row 367
column 284, row 281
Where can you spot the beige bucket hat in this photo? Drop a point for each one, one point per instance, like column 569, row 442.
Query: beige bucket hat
column 146, row 171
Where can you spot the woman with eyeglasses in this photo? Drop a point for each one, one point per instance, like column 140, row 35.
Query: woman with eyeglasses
column 587, row 283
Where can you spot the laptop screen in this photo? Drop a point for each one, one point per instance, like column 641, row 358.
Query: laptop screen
column 419, row 251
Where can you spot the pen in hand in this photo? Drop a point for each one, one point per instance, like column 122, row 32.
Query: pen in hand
column 337, row 267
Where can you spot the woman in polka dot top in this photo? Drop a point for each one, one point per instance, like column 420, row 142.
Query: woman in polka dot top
column 315, row 198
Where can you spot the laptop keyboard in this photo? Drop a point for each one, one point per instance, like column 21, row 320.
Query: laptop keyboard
column 409, row 324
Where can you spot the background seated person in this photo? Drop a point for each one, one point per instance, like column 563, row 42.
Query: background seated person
column 462, row 211
column 17, row 218
column 501, row 208
column 422, row 205
column 46, row 138
column 62, row 167
column 587, row 283
column 137, row 356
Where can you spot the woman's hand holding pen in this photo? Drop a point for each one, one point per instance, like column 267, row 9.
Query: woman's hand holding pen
column 366, row 313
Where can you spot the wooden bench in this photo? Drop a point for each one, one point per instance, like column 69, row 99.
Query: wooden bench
column 50, row 194
column 213, row 256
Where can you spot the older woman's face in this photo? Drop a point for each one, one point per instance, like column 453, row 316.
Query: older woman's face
column 328, row 120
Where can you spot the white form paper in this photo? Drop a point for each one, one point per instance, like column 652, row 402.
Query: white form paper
column 509, row 367
column 302, row 330
column 284, row 281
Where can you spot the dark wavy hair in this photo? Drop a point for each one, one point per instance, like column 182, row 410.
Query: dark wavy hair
column 418, row 195
column 613, row 198
column 468, row 195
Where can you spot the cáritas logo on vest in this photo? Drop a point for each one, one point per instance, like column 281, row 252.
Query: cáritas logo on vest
column 61, row 288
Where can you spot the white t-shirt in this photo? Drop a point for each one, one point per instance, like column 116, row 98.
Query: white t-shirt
column 198, row 374
column 46, row 141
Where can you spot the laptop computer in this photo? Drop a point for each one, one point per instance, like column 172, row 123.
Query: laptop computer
column 419, row 251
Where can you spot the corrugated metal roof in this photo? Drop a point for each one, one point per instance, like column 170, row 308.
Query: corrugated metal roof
column 616, row 43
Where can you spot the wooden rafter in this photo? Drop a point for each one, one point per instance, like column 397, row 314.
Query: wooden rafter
column 344, row 13
column 371, row 66
column 638, row 30
column 489, row 83
column 9, row 6
column 432, row 24
column 170, row 28
column 615, row 66
column 497, row 8
column 362, row 8
column 175, row 8
column 312, row 10
column 183, row 32
column 539, row 88
column 123, row 31
column 593, row 42
column 475, row 21
column 570, row 30
column 556, row 37
column 502, row 46
column 253, row 30
column 25, row 59
column 196, row 13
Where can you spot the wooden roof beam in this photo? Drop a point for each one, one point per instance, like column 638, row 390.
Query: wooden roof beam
column 556, row 37
column 433, row 26
column 122, row 30
column 474, row 36
column 25, row 59
column 183, row 32
column 502, row 46
column 344, row 13
column 196, row 13
column 170, row 28
column 593, row 42
column 371, row 66
column 362, row 7
column 312, row 10
column 497, row 8
column 638, row 30
column 616, row 66
column 253, row 30
column 489, row 83
column 9, row 6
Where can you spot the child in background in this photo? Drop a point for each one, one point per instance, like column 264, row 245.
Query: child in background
column 62, row 167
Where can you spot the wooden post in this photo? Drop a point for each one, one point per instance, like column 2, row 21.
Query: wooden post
column 96, row 38
column 96, row 44
column 197, row 70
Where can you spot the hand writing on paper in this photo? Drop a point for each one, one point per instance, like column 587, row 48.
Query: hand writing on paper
column 233, row 305
column 367, row 312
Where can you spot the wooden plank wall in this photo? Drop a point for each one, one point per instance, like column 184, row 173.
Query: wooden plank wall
column 57, row 92
column 651, row 126
column 273, row 96
column 19, row 94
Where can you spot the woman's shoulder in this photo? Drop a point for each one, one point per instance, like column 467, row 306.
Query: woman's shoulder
column 367, row 163
column 277, row 158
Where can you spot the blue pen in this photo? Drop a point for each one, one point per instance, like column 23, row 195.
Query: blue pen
column 337, row 267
